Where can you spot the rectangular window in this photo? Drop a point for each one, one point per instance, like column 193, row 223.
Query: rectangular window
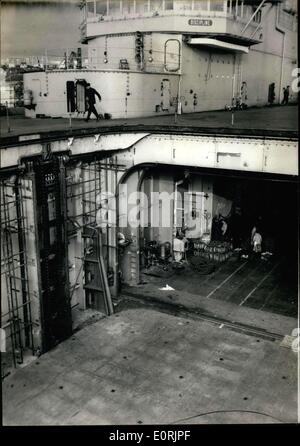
column 169, row 5
column 128, row 7
column 287, row 20
column 229, row 6
column 156, row 5
column 290, row 6
column 240, row 9
column 200, row 5
column 183, row 5
column 141, row 6
column 216, row 5
column 247, row 11
column 90, row 6
column 114, row 7
column 257, row 17
column 101, row 7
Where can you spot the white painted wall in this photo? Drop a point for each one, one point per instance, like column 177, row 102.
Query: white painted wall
column 241, row 154
column 177, row 22
column 123, row 47
column 123, row 94
column 209, row 76
column 263, row 64
column 279, row 156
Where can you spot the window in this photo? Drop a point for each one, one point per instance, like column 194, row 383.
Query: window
column 200, row 5
column 141, row 6
column 183, row 5
column 287, row 20
column 247, row 11
column 216, row 5
column 240, row 9
column 229, row 6
column 257, row 17
column 128, row 7
column 114, row 7
column 101, row 7
column 90, row 8
column 237, row 8
column 156, row 5
column 169, row 5
column 290, row 6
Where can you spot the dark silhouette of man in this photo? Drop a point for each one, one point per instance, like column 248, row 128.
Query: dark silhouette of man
column 286, row 94
column 91, row 101
column 271, row 95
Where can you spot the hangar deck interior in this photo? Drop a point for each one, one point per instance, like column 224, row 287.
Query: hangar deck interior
column 249, row 294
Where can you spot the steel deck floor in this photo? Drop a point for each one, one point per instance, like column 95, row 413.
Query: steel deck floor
column 277, row 118
column 271, row 286
column 142, row 366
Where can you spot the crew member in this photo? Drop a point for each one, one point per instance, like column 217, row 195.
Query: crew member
column 91, row 101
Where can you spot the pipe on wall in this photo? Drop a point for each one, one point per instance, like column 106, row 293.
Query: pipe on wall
column 279, row 29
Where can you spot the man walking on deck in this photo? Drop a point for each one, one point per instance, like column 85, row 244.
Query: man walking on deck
column 286, row 94
column 91, row 101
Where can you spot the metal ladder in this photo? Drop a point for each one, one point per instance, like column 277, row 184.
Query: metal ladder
column 15, row 270
column 94, row 264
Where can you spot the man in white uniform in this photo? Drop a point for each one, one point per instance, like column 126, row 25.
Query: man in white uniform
column 178, row 248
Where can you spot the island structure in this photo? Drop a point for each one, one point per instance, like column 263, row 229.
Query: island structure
column 156, row 57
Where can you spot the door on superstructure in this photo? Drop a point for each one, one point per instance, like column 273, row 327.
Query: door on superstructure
column 166, row 94
column 71, row 106
column 81, row 96
column 172, row 55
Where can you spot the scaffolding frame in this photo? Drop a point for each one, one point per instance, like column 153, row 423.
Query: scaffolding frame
column 14, row 266
column 87, row 190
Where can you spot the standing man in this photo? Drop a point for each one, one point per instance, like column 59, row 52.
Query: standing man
column 286, row 94
column 244, row 95
column 271, row 95
column 91, row 101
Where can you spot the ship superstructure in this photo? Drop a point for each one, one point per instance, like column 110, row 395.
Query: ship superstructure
column 165, row 56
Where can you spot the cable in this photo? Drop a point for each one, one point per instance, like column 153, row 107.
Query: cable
column 228, row 411
column 69, row 50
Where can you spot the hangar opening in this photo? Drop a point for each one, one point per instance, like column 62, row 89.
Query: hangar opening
column 230, row 237
column 68, row 255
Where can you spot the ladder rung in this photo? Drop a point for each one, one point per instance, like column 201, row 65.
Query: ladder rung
column 13, row 269
column 8, row 203
column 14, row 255
column 9, row 185
column 19, row 278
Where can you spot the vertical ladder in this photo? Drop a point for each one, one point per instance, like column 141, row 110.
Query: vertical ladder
column 10, row 270
column 95, row 274
column 26, row 296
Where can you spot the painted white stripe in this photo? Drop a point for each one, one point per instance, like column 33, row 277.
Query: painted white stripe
column 226, row 280
column 259, row 284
